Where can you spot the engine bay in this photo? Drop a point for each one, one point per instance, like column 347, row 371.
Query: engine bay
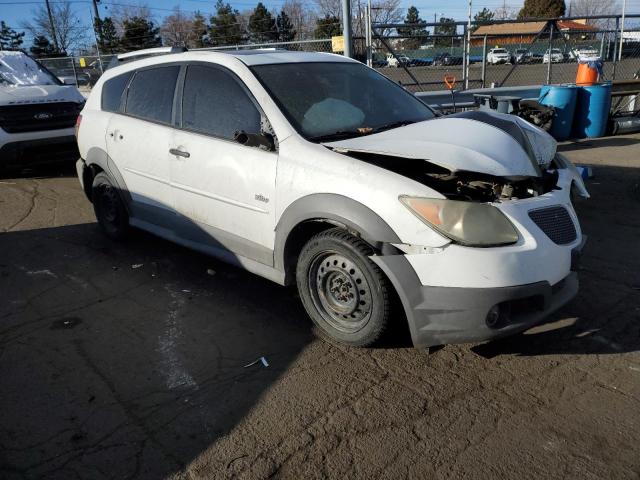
column 465, row 185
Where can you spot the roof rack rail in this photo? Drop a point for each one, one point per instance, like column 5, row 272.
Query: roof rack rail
column 121, row 58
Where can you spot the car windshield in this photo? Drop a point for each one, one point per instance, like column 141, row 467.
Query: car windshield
column 499, row 50
column 18, row 69
column 336, row 100
column 555, row 50
column 521, row 50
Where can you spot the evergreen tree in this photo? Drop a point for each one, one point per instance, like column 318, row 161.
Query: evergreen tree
column 42, row 47
column 262, row 26
column 225, row 28
column 446, row 26
column 286, row 33
column 327, row 27
column 200, row 29
column 9, row 38
column 412, row 29
column 108, row 40
column 139, row 33
column 542, row 9
column 484, row 15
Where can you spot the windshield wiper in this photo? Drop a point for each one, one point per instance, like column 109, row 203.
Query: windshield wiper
column 339, row 135
column 391, row 126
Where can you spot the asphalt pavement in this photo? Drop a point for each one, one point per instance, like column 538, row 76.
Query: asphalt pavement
column 129, row 360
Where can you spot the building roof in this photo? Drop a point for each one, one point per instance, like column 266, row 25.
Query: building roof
column 522, row 28
column 574, row 26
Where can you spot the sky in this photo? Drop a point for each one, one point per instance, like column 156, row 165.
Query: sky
column 15, row 11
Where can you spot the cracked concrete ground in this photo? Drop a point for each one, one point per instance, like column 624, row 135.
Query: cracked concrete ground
column 125, row 360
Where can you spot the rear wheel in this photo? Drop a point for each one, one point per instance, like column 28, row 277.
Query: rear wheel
column 109, row 208
column 346, row 295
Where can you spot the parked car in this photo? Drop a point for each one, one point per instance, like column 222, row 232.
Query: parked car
column 555, row 54
column 420, row 62
column 446, row 59
column 280, row 163
column 584, row 54
column 70, row 77
column 498, row 55
column 521, row 55
column 37, row 113
column 397, row 61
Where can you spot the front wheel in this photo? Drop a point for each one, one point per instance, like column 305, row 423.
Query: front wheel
column 346, row 295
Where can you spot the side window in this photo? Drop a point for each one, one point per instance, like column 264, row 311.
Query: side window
column 215, row 103
column 112, row 92
column 151, row 93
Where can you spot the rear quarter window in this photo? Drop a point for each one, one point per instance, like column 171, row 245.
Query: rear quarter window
column 112, row 92
column 151, row 91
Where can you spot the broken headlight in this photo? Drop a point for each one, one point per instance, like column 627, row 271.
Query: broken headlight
column 467, row 223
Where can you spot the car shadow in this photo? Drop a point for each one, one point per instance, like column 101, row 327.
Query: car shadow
column 123, row 360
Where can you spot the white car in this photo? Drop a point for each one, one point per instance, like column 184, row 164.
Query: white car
column 555, row 54
column 398, row 60
column 279, row 162
column 37, row 113
column 584, row 54
column 498, row 55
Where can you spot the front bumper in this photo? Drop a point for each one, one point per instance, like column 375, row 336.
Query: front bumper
column 17, row 149
column 444, row 315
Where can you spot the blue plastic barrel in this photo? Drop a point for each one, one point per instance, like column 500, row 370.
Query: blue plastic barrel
column 563, row 99
column 592, row 111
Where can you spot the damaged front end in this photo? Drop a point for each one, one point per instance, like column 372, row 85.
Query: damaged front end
column 471, row 156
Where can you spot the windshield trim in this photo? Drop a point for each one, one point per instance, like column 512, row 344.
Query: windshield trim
column 286, row 114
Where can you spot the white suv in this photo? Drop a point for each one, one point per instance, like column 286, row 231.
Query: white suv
column 37, row 113
column 313, row 169
column 498, row 55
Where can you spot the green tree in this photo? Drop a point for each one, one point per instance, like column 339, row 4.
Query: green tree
column 484, row 15
column 42, row 47
column 262, row 26
column 108, row 40
column 200, row 30
column 327, row 27
column 286, row 33
column 225, row 28
column 542, row 9
column 446, row 26
column 418, row 33
column 9, row 38
column 139, row 33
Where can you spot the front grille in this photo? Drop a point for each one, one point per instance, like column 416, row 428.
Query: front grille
column 37, row 117
column 556, row 223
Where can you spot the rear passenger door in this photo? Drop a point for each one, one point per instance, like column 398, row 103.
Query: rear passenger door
column 139, row 139
column 223, row 191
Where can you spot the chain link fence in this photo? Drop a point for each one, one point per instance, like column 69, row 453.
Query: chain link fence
column 505, row 53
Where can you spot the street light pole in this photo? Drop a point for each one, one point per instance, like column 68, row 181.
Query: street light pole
column 624, row 9
column 346, row 27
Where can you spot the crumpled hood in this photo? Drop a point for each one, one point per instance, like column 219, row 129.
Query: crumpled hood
column 28, row 94
column 489, row 143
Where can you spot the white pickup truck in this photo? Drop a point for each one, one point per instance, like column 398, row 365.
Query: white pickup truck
column 37, row 113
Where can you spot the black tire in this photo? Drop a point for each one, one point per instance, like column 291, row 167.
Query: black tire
column 346, row 295
column 109, row 208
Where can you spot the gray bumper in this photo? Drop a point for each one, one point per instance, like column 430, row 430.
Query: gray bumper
column 443, row 315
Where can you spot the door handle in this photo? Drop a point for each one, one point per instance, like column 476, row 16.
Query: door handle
column 179, row 153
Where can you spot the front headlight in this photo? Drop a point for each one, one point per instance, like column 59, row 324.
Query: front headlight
column 467, row 223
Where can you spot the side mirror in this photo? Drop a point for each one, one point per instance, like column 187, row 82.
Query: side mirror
column 263, row 141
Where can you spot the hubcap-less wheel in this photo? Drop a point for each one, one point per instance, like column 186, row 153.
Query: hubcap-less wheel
column 109, row 203
column 340, row 291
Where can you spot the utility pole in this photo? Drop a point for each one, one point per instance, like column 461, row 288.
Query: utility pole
column 96, row 22
column 467, row 49
column 624, row 9
column 368, row 35
column 346, row 27
column 53, row 28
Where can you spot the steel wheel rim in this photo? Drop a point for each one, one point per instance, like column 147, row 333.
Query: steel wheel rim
column 340, row 291
column 109, row 204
